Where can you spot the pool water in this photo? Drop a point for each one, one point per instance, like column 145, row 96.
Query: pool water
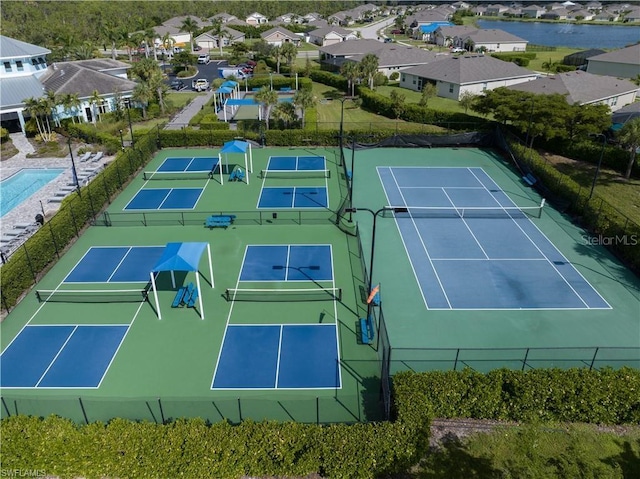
column 19, row 187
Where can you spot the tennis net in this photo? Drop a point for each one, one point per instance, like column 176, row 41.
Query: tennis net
column 499, row 212
column 178, row 175
column 284, row 295
column 91, row 295
column 292, row 174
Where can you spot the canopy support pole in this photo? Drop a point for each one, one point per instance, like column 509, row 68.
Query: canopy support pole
column 210, row 265
column 220, row 167
column 155, row 294
column 199, row 295
column 173, row 280
column 245, row 167
column 250, row 158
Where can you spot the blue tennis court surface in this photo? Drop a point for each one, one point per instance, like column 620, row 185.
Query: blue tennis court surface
column 115, row 264
column 287, row 263
column 198, row 164
column 502, row 262
column 165, row 199
column 296, row 163
column 301, row 356
column 293, row 197
column 65, row 356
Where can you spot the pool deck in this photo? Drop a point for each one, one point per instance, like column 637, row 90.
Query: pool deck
column 24, row 214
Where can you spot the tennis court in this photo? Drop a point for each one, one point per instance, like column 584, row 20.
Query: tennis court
column 471, row 247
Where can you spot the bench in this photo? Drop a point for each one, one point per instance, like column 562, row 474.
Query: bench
column 190, row 302
column 530, row 179
column 97, row 157
column 366, row 330
column 219, row 221
column 285, row 88
column 236, row 175
column 179, row 297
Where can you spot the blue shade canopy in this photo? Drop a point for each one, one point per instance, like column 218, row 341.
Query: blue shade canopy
column 180, row 257
column 224, row 89
column 229, row 83
column 235, row 146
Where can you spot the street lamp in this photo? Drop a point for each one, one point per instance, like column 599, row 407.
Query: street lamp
column 121, row 141
column 375, row 214
column 127, row 102
column 73, row 167
column 595, row 177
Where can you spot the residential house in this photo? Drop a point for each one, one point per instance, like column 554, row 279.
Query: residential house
column 584, row 88
column 580, row 14
column 606, row 15
column 256, row 19
column 496, row 10
column 632, row 15
column 209, row 41
column 443, row 36
column 555, row 14
column 430, row 19
column 289, row 18
column 178, row 38
column 222, row 17
column 331, row 35
column 105, row 76
column 533, row 11
column 391, row 56
column 426, row 33
column 624, row 63
column 491, row 40
column 311, row 17
column 479, row 10
column 278, row 35
column 22, row 66
column 455, row 75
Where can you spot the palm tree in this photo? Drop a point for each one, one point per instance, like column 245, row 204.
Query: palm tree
column 33, row 107
column 289, row 52
column 95, row 100
column 276, row 53
column 369, row 67
column 144, row 93
column 150, row 42
column 218, row 31
column 267, row 98
column 71, row 102
column 304, row 99
column 351, row 72
column 113, row 35
column 629, row 137
column 286, row 112
column 189, row 25
column 50, row 103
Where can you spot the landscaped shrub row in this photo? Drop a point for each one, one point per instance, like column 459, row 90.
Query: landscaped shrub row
column 564, row 395
column 192, row 448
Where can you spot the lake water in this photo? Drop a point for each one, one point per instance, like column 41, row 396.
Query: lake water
column 568, row 34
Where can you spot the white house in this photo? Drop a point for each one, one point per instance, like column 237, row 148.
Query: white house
column 278, row 36
column 491, row 40
column 330, row 35
column 256, row 19
column 624, row 63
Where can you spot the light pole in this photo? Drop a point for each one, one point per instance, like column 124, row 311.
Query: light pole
column 128, row 103
column 342, row 100
column 121, row 141
column 373, row 239
column 595, row 177
column 73, row 167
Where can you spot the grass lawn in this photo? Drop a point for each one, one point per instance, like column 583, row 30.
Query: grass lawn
column 555, row 56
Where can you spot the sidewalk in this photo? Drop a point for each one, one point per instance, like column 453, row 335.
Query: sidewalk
column 182, row 119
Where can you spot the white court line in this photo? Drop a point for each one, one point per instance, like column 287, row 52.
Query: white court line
column 278, row 357
column 466, row 225
column 424, row 247
column 165, row 199
column 118, row 265
column 535, row 244
column 56, row 356
column 124, row 336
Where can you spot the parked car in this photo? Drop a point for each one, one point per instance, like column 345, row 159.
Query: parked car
column 458, row 50
column 178, row 49
column 201, row 84
column 177, row 84
column 197, row 48
column 388, row 40
column 204, row 59
column 397, row 32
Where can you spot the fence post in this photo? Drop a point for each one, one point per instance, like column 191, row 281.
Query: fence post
column 455, row 363
column 161, row 410
column 524, row 361
column 53, row 238
column 73, row 218
column 6, row 408
column 26, row 254
column 239, row 410
column 84, row 413
column 593, row 360
column 106, row 188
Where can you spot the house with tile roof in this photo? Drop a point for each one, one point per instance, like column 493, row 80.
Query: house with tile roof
column 331, row 35
column 455, row 75
column 584, row 88
column 624, row 63
column 23, row 64
column 277, row 36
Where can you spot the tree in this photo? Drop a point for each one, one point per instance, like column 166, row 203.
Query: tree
column 276, row 53
column 190, row 26
column 369, row 67
column 289, row 52
column 70, row 103
column 113, row 35
column 267, row 99
column 398, row 103
column 629, row 137
column 466, row 100
column 95, row 100
column 217, row 31
column 304, row 99
column 35, row 108
column 286, row 112
column 351, row 71
column 429, row 90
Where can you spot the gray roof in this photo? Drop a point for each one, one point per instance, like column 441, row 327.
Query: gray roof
column 12, row 48
column 73, row 77
column 283, row 31
column 494, row 36
column 467, row 69
column 352, row 47
column 456, row 30
column 396, row 55
column 177, row 21
column 578, row 86
column 13, row 91
column 629, row 55
column 323, row 32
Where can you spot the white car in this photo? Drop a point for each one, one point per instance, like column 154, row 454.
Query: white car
column 458, row 50
column 200, row 84
column 204, row 59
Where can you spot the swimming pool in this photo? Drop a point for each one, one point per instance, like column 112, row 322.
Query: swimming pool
column 17, row 188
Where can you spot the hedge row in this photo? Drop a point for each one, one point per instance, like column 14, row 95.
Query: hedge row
column 192, row 448
column 557, row 395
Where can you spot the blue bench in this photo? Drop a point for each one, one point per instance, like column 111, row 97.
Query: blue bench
column 190, row 302
column 285, row 88
column 182, row 295
column 256, row 88
column 237, row 175
column 219, row 221
column 530, row 179
column 367, row 332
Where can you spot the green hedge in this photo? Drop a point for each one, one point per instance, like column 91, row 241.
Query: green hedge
column 4, row 135
column 559, row 395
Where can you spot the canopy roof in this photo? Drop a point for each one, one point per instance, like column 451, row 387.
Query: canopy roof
column 180, row 257
column 224, row 89
column 235, row 146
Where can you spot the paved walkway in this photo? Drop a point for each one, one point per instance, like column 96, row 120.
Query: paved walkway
column 182, row 118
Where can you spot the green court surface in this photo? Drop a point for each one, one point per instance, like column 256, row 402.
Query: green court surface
column 164, row 368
